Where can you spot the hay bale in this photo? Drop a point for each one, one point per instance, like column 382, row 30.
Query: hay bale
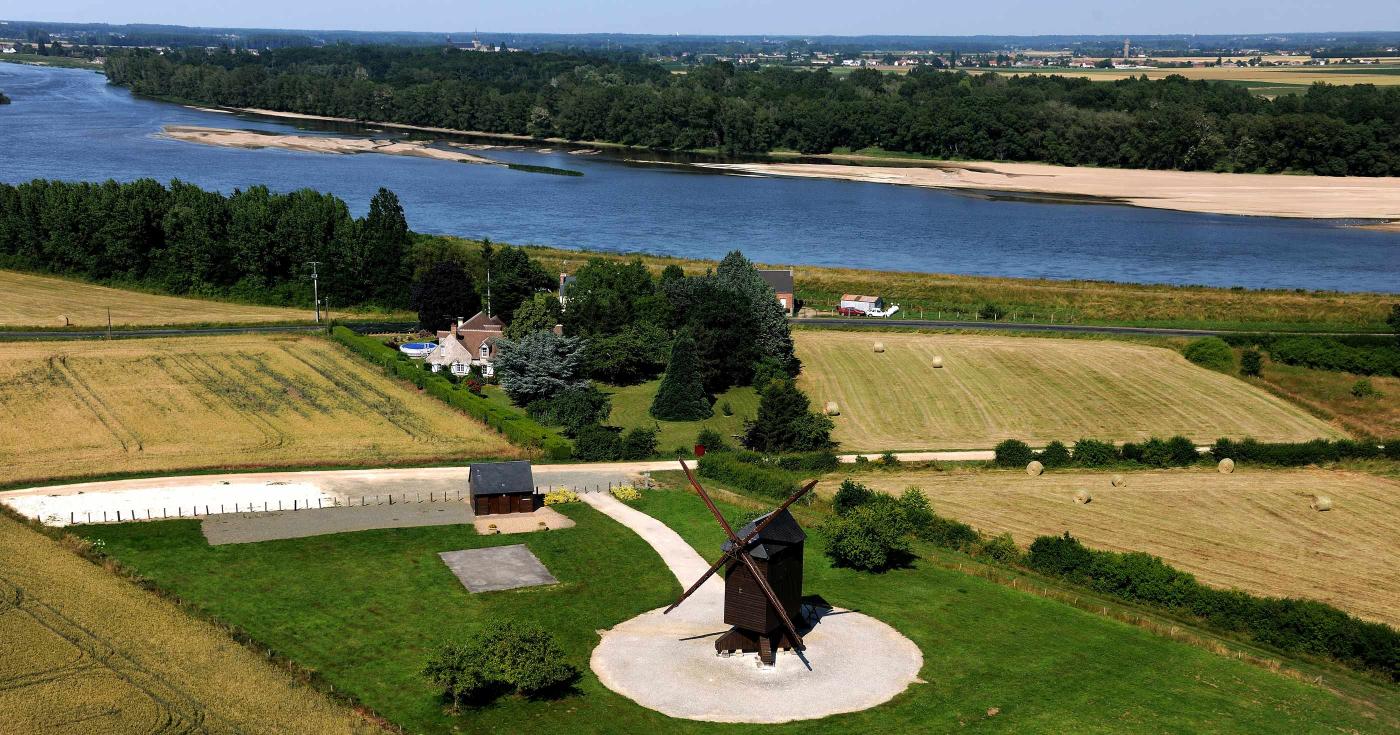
column 879, row 346
column 1034, row 468
column 1082, row 497
column 1226, row 466
column 63, row 320
column 1320, row 503
column 938, row 361
column 1118, row 481
column 832, row 409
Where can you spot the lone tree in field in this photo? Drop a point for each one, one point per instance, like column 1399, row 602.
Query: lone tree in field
column 738, row 274
column 785, row 422
column 442, row 293
column 681, row 396
column 540, row 365
column 1251, row 363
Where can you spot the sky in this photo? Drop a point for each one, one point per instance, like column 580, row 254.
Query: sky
column 747, row 17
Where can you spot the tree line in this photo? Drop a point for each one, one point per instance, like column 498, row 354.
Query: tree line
column 252, row 245
column 1171, row 123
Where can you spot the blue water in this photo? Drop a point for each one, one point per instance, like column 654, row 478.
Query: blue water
column 69, row 124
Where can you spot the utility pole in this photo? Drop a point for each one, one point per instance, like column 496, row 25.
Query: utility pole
column 488, row 290
column 315, row 287
column 109, row 323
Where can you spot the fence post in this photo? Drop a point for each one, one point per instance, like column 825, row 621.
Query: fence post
column 294, row 504
column 70, row 517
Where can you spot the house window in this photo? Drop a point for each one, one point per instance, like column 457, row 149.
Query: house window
column 782, row 302
column 486, row 350
column 459, row 368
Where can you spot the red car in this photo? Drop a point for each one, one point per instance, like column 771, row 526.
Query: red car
column 850, row 311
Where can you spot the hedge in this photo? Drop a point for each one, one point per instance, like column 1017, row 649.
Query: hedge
column 1177, row 451
column 515, row 425
column 1288, row 624
column 1329, row 354
column 1302, row 453
column 767, row 480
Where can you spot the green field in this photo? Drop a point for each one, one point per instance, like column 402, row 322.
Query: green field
column 631, row 407
column 364, row 609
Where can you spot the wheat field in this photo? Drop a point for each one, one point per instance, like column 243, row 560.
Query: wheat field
column 1252, row 530
column 27, row 300
column 85, row 652
column 1029, row 388
column 73, row 409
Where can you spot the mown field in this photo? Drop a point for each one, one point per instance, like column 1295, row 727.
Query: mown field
column 1096, row 302
column 364, row 609
column 28, row 300
column 85, row 652
column 1252, row 529
column 74, row 409
column 1029, row 388
column 631, row 408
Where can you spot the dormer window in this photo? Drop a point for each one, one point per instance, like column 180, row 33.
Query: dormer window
column 485, row 350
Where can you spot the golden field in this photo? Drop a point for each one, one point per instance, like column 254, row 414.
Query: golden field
column 1269, row 75
column 28, row 300
column 74, row 409
column 1252, row 529
column 1029, row 388
column 86, row 652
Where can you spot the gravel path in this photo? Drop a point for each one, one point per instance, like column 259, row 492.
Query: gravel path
column 668, row 662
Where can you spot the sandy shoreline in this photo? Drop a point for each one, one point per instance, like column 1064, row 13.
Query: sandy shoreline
column 315, row 143
column 1313, row 197
column 1268, row 195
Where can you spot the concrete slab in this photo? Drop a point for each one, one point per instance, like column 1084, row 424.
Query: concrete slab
column 244, row 528
column 544, row 519
column 497, row 568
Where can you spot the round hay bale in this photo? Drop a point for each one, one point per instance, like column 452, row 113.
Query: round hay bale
column 1034, row 468
column 1226, row 466
column 832, row 409
column 938, row 361
column 63, row 320
column 1320, row 503
column 1118, row 481
column 1082, row 497
column 879, row 346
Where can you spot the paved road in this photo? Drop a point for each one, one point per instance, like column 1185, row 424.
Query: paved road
column 1002, row 326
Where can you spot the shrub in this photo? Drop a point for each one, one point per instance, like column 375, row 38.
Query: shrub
column 1325, row 353
column 1001, row 549
column 560, row 496
column 1364, row 389
column 1392, row 448
column 1055, row 454
column 1093, row 453
column 638, row 443
column 918, row 513
column 598, row 443
column 888, row 460
column 1210, row 352
column 573, row 408
column 851, row 495
column 767, row 481
column 711, row 440
column 1175, row 452
column 949, row 534
column 626, row 493
column 726, row 409
column 1013, row 453
column 784, row 422
column 1182, row 451
column 1251, row 363
column 1286, row 454
column 504, row 657
column 872, row 537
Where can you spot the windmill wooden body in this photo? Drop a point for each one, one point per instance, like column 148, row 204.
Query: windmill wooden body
column 762, row 566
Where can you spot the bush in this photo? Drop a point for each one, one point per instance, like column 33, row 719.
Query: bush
column 1013, row 453
column 712, row 440
column 1364, row 389
column 638, row 443
column 1286, row 454
column 1002, row 549
column 949, row 534
column 1175, row 452
column 573, row 408
column 1325, row 353
column 598, row 443
column 872, row 537
column 1251, row 363
column 918, row 513
column 1211, row 352
column 1392, row 448
column 560, row 496
column 888, row 460
column 505, row 657
column 851, row 495
column 1093, row 453
column 1055, row 454
column 626, row 493
column 767, row 481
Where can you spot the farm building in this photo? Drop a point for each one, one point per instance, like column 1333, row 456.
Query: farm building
column 781, row 283
column 857, row 305
column 468, row 342
column 502, row 487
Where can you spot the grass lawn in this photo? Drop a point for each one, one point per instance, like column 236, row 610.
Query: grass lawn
column 631, row 407
column 1031, row 388
column 364, row 609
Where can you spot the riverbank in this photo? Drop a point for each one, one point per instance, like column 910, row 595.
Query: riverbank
column 1269, row 195
column 315, row 143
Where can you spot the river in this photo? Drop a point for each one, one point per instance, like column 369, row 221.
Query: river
column 70, row 124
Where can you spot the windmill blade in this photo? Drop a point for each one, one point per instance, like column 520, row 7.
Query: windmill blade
column 744, row 557
column 730, row 554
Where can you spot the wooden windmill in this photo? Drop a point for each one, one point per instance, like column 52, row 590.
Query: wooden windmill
column 762, row 566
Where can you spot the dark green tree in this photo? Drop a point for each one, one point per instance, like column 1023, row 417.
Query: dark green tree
column 387, row 241
column 540, row 311
column 443, row 294
column 1251, row 363
column 738, row 274
column 681, row 395
column 513, row 278
column 784, row 422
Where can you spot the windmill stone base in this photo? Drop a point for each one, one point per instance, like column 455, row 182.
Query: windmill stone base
column 766, row 645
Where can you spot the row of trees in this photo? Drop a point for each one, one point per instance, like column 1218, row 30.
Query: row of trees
column 1172, row 123
column 253, row 244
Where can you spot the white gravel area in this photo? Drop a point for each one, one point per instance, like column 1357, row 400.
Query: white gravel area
column 172, row 501
column 668, row 663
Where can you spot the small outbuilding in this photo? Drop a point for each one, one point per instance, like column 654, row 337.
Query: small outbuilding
column 503, row 487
